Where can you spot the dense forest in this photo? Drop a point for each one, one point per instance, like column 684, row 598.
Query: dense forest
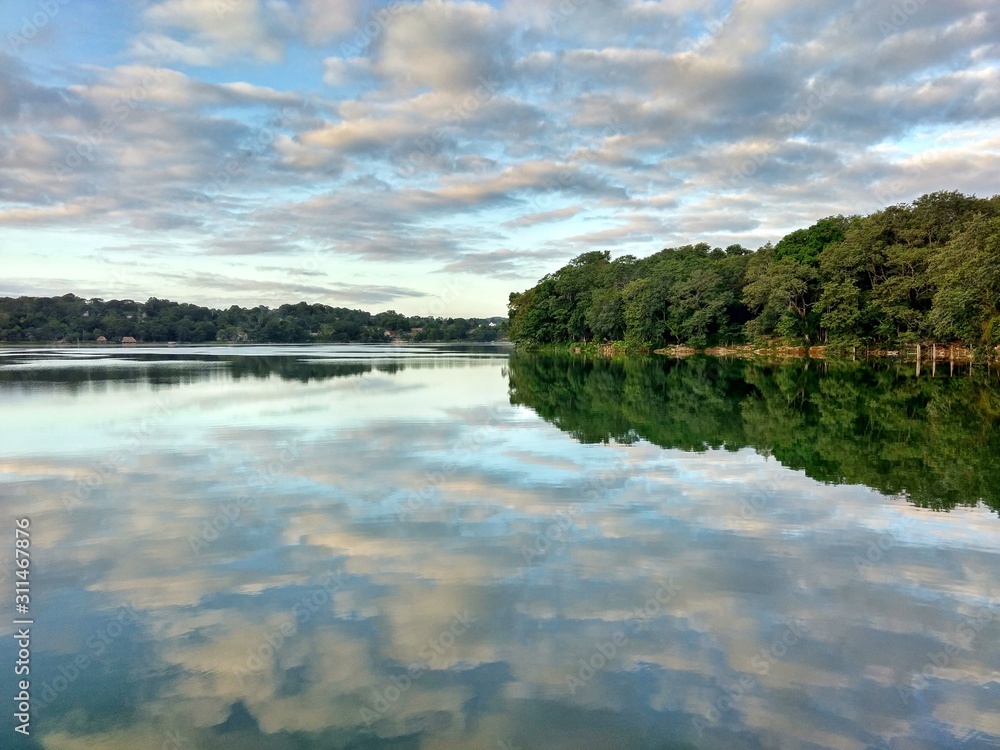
column 71, row 319
column 932, row 440
column 920, row 272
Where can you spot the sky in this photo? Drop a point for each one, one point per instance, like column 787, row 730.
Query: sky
column 432, row 157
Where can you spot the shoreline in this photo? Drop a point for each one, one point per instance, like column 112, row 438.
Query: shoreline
column 177, row 345
column 932, row 353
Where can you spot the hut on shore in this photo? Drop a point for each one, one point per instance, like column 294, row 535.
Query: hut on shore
column 101, row 340
column 128, row 340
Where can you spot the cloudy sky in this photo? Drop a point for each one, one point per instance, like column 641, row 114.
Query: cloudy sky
column 433, row 156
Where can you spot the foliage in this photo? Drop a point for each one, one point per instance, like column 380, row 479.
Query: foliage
column 685, row 294
column 929, row 270
column 70, row 319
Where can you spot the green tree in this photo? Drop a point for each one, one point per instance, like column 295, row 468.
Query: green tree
column 606, row 314
column 967, row 299
column 782, row 293
column 645, row 312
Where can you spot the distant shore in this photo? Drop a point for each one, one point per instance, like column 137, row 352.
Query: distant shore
column 240, row 344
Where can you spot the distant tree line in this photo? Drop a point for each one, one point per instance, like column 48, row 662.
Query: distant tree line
column 926, row 271
column 70, row 319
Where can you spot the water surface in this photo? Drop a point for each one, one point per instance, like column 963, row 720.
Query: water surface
column 434, row 547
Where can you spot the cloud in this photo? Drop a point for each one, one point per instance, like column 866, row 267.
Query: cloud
column 323, row 20
column 214, row 29
column 442, row 131
column 284, row 291
column 338, row 71
column 450, row 46
column 503, row 263
column 542, row 217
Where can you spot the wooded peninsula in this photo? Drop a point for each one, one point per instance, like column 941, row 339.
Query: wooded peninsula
column 72, row 319
column 926, row 272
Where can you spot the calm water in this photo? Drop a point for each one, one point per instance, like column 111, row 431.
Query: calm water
column 378, row 547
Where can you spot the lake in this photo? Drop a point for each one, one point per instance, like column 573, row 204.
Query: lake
column 456, row 547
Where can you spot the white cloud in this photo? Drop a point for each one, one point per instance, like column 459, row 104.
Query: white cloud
column 450, row 46
column 222, row 27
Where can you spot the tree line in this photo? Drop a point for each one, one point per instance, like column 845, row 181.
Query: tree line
column 910, row 273
column 69, row 318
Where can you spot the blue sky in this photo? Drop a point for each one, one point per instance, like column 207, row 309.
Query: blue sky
column 431, row 157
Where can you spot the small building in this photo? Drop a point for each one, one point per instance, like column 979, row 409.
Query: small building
column 128, row 340
column 101, row 340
